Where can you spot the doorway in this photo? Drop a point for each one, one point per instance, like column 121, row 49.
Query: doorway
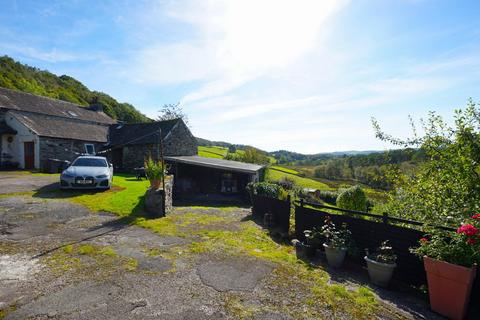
column 29, row 154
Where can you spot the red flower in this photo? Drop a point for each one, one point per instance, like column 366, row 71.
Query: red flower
column 471, row 241
column 468, row 230
column 423, row 240
column 476, row 216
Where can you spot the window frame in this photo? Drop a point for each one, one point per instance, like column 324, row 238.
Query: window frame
column 86, row 148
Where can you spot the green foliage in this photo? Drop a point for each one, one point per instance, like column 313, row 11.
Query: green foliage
column 17, row 76
column 352, row 198
column 446, row 188
column 172, row 111
column 383, row 254
column 250, row 155
column 154, row 169
column 329, row 197
column 335, row 237
column 461, row 247
column 266, row 189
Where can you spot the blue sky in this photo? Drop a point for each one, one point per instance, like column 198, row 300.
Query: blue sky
column 305, row 75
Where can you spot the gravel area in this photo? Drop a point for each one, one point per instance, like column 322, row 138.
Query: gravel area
column 59, row 260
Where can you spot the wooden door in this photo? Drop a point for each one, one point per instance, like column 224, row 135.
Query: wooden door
column 29, row 154
column 117, row 158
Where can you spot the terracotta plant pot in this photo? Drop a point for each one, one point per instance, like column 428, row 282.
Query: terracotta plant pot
column 380, row 273
column 155, row 184
column 449, row 287
column 335, row 256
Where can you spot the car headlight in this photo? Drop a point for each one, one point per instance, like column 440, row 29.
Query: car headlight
column 67, row 175
column 102, row 176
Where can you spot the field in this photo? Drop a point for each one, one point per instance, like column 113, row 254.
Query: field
column 302, row 176
column 212, row 152
column 276, row 173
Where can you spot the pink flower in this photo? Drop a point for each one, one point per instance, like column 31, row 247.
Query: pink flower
column 468, row 229
column 423, row 240
column 471, row 241
column 476, row 216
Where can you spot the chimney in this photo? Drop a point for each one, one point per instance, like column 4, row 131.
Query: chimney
column 95, row 105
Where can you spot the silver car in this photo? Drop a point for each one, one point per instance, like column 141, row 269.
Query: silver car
column 87, row 172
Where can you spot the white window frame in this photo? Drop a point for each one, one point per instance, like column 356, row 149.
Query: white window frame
column 86, row 148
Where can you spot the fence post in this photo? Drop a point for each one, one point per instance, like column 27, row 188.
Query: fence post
column 385, row 218
column 301, row 202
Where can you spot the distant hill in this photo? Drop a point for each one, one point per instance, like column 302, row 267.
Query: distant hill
column 17, row 76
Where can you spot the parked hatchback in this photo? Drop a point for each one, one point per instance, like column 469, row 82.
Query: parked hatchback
column 87, row 172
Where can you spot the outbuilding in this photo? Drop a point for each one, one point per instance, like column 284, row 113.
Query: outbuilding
column 200, row 176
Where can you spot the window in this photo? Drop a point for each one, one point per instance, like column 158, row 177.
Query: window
column 89, row 162
column 89, row 148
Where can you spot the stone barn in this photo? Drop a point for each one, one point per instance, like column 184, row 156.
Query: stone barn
column 130, row 144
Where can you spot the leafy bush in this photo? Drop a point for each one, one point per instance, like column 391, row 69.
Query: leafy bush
column 352, row 198
column 153, row 169
column 265, row 189
column 286, row 183
column 446, row 188
column 327, row 196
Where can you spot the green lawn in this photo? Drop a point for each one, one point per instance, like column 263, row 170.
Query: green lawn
column 274, row 174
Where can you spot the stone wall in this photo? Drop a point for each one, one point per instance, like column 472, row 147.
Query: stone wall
column 179, row 142
column 62, row 149
column 154, row 199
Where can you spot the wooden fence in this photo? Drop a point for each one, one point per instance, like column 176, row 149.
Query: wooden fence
column 279, row 209
column 368, row 231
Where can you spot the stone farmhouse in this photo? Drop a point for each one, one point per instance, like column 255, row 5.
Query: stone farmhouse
column 34, row 129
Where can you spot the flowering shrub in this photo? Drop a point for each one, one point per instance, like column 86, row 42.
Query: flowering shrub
column 335, row 237
column 461, row 247
column 384, row 253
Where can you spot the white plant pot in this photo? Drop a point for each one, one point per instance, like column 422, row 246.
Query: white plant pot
column 380, row 273
column 335, row 256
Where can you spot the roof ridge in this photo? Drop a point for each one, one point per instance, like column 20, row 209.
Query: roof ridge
column 45, row 97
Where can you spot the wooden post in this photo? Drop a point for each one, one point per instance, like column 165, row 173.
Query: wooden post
column 385, row 218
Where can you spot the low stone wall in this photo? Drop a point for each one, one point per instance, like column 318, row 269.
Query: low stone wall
column 155, row 199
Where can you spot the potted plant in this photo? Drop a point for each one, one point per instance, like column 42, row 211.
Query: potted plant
column 381, row 264
column 155, row 172
column 309, row 247
column 336, row 242
column 450, row 260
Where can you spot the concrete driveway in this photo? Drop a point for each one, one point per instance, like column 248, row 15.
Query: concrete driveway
column 58, row 260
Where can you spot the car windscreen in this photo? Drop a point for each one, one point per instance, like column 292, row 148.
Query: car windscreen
column 89, row 162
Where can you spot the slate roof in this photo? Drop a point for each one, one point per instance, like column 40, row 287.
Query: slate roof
column 46, row 126
column 217, row 163
column 6, row 129
column 26, row 102
column 140, row 133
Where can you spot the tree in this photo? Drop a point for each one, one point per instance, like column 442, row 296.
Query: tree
column 172, row 111
column 445, row 189
column 253, row 155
